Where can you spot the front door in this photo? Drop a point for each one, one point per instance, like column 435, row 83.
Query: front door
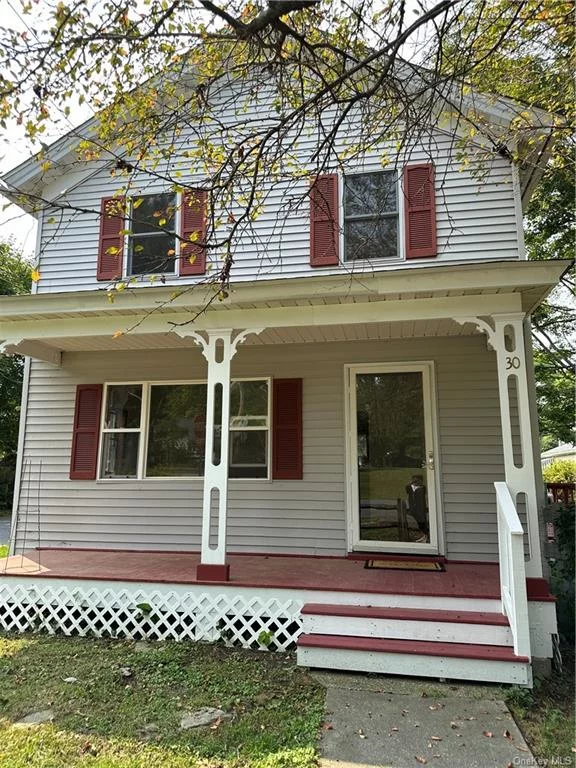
column 392, row 493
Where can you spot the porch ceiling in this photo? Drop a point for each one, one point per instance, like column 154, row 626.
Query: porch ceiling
column 394, row 304
column 270, row 336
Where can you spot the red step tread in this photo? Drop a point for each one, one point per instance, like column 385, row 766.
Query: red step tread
column 412, row 647
column 405, row 614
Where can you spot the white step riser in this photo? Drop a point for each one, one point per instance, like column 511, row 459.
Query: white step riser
column 402, row 629
column 445, row 603
column 416, row 666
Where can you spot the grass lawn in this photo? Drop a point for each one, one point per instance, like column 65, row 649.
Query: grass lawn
column 545, row 715
column 104, row 718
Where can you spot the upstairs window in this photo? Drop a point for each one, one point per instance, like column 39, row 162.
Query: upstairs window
column 152, row 239
column 371, row 216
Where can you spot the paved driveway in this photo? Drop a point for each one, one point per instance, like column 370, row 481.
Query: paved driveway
column 4, row 530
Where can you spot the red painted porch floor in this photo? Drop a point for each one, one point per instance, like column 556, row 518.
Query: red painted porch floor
column 471, row 580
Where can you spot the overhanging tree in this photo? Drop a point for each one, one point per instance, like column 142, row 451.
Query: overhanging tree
column 537, row 71
column 160, row 72
column 14, row 279
column 170, row 83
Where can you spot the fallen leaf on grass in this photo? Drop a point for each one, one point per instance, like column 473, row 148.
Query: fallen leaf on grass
column 216, row 724
column 421, row 760
column 89, row 749
column 488, row 734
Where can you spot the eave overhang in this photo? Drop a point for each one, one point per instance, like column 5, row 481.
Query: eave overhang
column 38, row 325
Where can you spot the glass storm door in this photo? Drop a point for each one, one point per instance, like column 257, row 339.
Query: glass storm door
column 393, row 484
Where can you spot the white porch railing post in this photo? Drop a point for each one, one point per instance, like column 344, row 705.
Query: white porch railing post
column 512, row 570
column 505, row 335
column 218, row 347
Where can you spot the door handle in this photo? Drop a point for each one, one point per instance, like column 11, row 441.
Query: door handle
column 429, row 463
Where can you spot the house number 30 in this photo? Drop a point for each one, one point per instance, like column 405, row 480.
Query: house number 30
column 512, row 362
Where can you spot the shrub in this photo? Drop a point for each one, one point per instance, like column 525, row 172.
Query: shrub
column 560, row 471
column 562, row 572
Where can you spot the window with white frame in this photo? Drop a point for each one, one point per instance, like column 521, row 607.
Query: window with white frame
column 152, row 239
column 249, row 428
column 371, row 216
column 122, row 431
column 158, row 430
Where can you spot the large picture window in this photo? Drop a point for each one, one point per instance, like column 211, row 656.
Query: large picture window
column 370, row 216
column 158, row 430
column 152, row 240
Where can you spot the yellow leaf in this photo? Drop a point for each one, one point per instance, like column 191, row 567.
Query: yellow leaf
column 137, row 203
column 192, row 258
column 46, row 165
column 171, row 252
column 35, row 275
column 117, row 334
column 112, row 250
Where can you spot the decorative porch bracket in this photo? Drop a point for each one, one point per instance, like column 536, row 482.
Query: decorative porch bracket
column 505, row 335
column 218, row 347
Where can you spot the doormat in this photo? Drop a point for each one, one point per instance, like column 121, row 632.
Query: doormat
column 405, row 565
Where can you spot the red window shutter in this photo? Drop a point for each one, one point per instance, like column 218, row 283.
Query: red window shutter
column 287, row 429
column 111, row 242
column 84, row 455
column 420, row 211
column 324, row 221
column 193, row 220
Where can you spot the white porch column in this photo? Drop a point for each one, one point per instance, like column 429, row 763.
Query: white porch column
column 505, row 334
column 218, row 347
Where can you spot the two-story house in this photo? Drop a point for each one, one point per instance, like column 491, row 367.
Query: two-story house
column 342, row 452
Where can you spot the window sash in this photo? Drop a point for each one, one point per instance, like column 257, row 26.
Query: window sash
column 145, row 428
column 130, row 237
column 104, row 430
column 375, row 217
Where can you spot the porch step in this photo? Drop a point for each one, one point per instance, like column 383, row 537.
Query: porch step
column 483, row 628
column 420, row 658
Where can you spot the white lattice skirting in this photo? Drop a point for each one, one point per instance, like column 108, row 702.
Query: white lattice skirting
column 152, row 612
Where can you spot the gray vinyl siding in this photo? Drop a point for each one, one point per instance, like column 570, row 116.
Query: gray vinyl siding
column 306, row 516
column 475, row 210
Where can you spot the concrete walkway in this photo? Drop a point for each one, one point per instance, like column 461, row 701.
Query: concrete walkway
column 384, row 722
column 4, row 530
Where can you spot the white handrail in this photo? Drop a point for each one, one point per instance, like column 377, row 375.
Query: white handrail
column 512, row 569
